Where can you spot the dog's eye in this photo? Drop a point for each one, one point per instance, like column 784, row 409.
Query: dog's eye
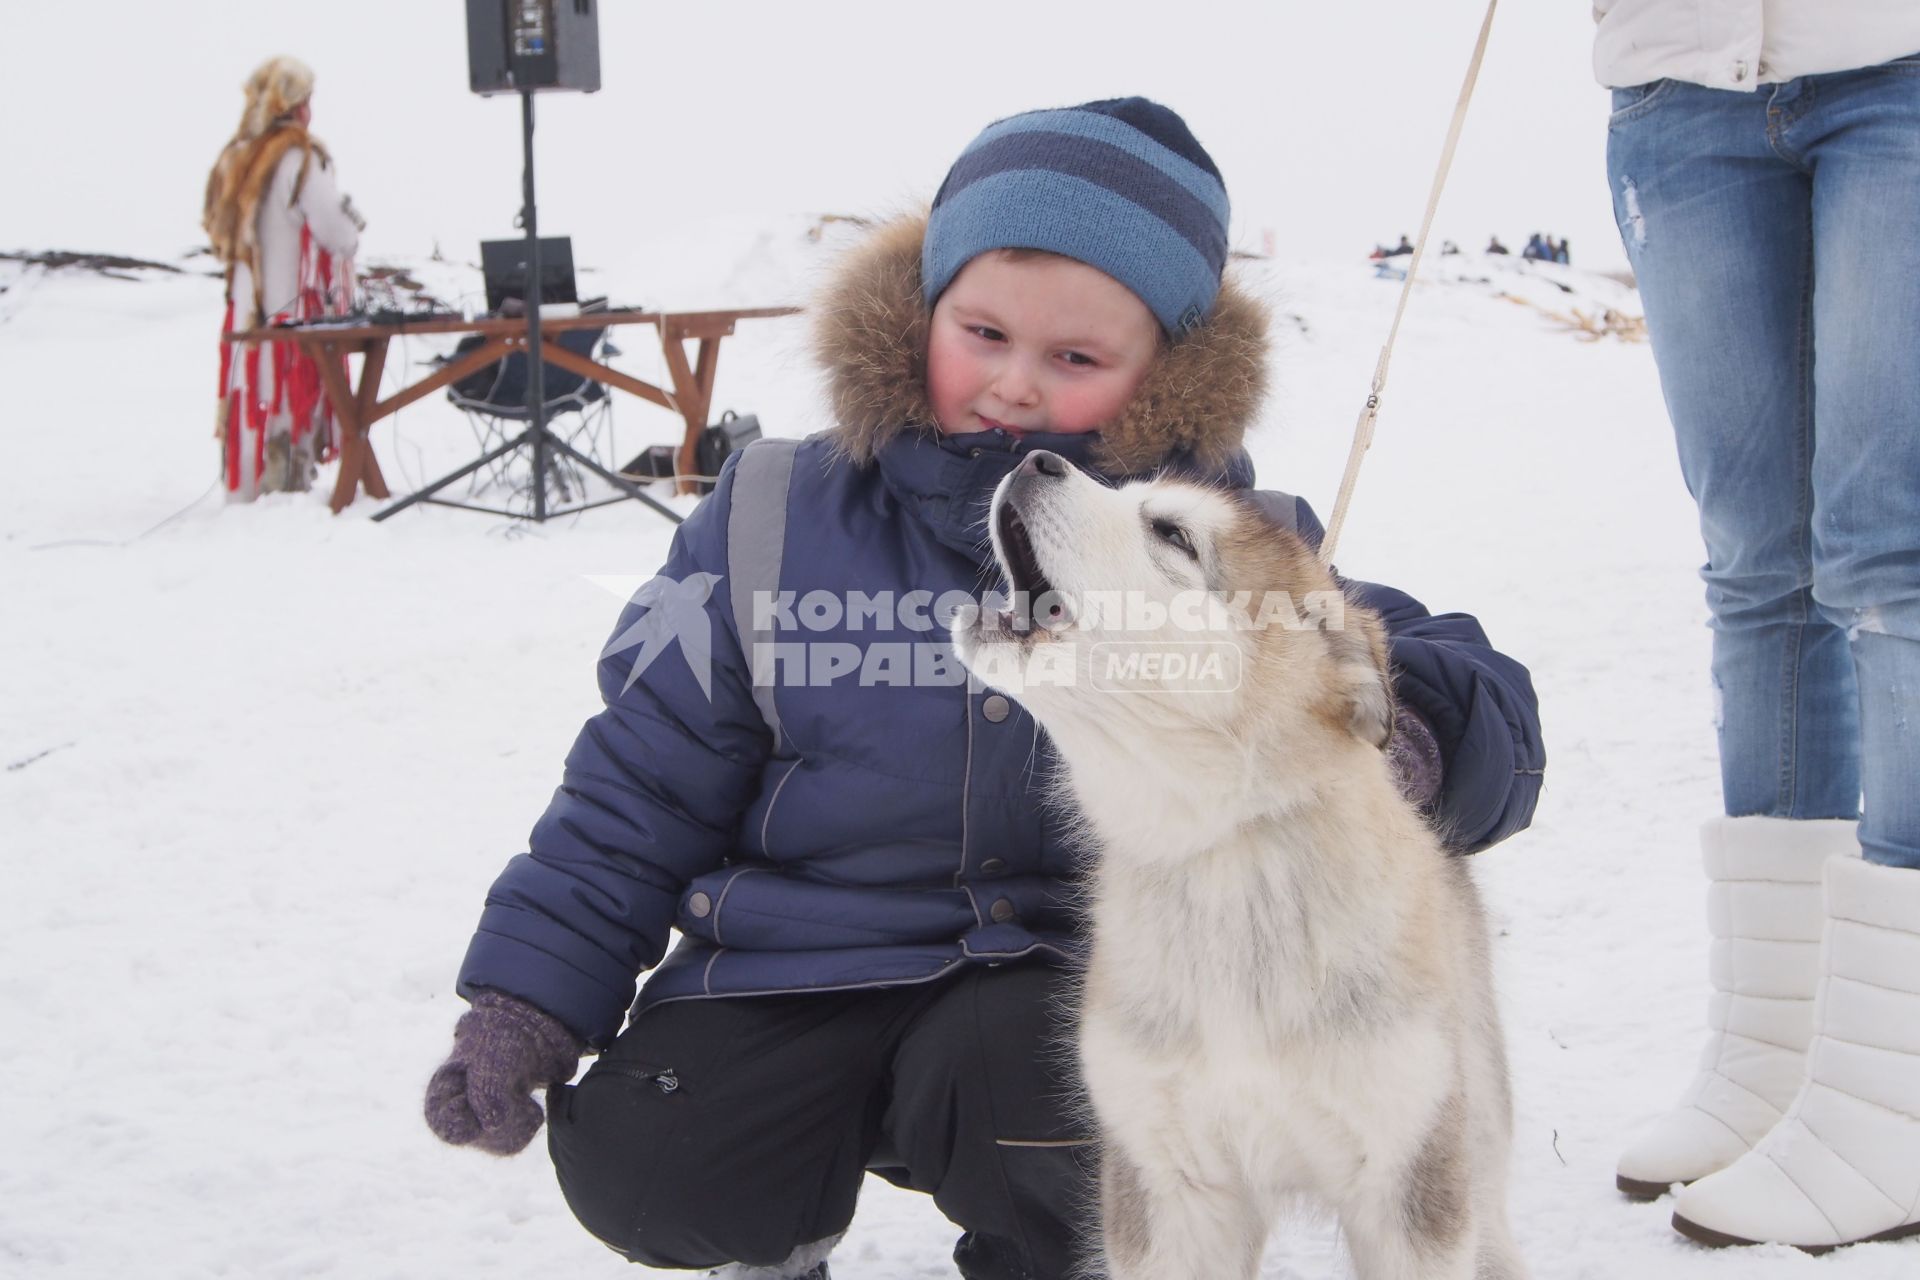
column 1172, row 534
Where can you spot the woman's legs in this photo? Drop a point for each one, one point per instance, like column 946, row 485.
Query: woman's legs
column 1843, row 1163
column 1861, row 136
column 1719, row 227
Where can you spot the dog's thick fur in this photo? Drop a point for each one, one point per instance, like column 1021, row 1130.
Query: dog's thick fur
column 1289, row 988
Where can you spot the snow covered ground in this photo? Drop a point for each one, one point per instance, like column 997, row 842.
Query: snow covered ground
column 262, row 762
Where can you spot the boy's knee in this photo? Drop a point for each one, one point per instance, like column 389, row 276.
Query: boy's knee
column 646, row 1179
column 604, row 1162
column 608, row 1146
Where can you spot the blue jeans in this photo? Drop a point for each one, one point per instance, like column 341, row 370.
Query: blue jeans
column 1776, row 237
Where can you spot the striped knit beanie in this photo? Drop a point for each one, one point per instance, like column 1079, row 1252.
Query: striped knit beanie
column 1120, row 185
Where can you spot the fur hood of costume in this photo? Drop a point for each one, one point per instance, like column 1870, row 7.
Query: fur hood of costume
column 271, row 191
column 239, row 179
column 251, row 160
column 1202, row 394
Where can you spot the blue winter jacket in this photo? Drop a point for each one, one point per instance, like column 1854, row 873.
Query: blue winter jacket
column 893, row 829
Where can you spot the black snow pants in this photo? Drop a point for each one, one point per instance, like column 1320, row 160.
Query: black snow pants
column 736, row 1130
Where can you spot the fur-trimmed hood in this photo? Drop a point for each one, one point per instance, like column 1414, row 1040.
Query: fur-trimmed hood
column 238, row 181
column 871, row 336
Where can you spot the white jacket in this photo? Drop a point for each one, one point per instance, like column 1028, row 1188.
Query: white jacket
column 1743, row 44
column 321, row 208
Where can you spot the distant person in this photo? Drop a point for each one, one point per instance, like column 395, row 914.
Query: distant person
column 1764, row 179
column 1494, row 246
column 1404, row 247
column 1562, row 254
column 1536, row 250
column 1448, row 247
column 286, row 236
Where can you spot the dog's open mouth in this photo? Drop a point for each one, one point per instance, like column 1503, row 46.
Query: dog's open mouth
column 1036, row 601
column 1016, row 549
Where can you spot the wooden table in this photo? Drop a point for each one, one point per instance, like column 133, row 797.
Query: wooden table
column 356, row 409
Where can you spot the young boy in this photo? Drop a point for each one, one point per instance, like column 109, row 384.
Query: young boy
column 857, row 839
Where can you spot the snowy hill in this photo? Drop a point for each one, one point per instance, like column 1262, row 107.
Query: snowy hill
column 262, row 763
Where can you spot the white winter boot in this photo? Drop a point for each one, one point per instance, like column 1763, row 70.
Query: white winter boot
column 1765, row 911
column 808, row 1262
column 1843, row 1165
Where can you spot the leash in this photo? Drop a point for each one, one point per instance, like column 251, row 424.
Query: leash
column 1370, row 411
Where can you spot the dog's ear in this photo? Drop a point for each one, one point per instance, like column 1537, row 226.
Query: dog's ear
column 1360, row 700
column 1363, row 681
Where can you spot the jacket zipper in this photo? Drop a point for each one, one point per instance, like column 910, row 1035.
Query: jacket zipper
column 662, row 1078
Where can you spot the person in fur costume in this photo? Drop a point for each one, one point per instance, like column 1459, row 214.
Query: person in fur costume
column 874, row 901
column 286, row 236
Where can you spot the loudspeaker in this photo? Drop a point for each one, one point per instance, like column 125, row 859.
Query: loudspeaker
column 532, row 45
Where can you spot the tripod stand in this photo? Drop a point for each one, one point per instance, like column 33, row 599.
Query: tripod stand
column 541, row 442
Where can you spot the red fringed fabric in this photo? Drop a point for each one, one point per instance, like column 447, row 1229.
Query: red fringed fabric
column 226, row 351
column 298, row 393
column 256, row 412
column 230, row 406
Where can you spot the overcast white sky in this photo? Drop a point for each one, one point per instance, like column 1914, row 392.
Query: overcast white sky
column 1326, row 117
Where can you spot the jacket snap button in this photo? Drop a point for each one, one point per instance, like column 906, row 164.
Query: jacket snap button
column 699, row 906
column 995, row 708
column 1002, row 911
column 993, row 866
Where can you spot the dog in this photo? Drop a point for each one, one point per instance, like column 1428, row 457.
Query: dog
column 1288, row 990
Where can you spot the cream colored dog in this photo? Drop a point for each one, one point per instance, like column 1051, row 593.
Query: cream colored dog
column 1288, row 990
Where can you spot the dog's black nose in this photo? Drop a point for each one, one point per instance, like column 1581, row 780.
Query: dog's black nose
column 1040, row 462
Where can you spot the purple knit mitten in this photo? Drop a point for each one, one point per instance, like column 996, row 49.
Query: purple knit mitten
column 1414, row 754
column 503, row 1049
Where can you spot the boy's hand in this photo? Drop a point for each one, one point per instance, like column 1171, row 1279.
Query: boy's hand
column 1414, row 754
column 503, row 1049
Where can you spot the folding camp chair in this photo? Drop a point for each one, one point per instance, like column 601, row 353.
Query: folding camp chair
column 577, row 409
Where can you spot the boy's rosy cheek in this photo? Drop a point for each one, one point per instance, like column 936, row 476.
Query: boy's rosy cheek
column 946, row 375
column 1088, row 409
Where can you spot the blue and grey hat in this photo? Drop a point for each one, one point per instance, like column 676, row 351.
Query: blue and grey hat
column 1121, row 185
